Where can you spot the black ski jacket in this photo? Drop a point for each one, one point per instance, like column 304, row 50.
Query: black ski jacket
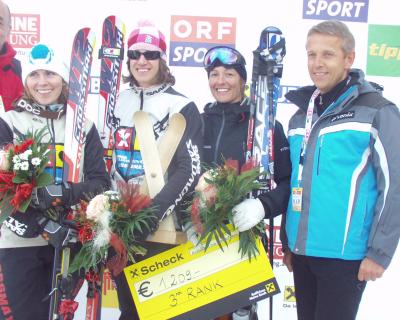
column 225, row 136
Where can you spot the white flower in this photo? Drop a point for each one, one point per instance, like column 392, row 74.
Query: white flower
column 103, row 233
column 113, row 195
column 16, row 159
column 35, row 161
column 25, row 155
column 17, row 166
column 25, row 166
column 97, row 207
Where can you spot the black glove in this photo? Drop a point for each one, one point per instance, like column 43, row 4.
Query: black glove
column 46, row 197
column 24, row 224
column 57, row 235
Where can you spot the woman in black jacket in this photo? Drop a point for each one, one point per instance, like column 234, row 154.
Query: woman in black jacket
column 226, row 124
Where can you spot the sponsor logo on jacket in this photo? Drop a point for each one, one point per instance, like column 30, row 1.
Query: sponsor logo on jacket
column 342, row 116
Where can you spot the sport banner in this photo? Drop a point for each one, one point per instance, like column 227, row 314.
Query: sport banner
column 187, row 283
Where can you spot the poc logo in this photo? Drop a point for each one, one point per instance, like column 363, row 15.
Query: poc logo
column 25, row 30
column 353, row 10
column 192, row 36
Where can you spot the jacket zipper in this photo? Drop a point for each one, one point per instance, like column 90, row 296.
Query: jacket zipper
column 219, row 137
column 132, row 144
column 53, row 142
column 319, row 153
column 328, row 112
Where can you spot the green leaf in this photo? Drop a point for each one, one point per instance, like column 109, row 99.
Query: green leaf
column 24, row 205
column 6, row 208
column 18, row 179
column 44, row 179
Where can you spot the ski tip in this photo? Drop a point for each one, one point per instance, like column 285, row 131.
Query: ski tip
column 272, row 29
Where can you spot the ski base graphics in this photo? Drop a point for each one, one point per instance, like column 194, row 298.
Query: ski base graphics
column 111, row 54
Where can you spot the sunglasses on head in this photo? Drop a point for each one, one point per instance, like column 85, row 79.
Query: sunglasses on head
column 225, row 55
column 149, row 55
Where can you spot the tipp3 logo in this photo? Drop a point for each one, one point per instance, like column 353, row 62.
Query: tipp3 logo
column 383, row 50
column 344, row 10
column 192, row 36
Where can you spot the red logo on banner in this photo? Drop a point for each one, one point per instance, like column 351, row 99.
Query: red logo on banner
column 25, row 30
column 216, row 30
column 192, row 36
column 278, row 253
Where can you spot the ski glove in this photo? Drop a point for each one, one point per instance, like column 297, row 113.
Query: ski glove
column 46, row 197
column 57, row 235
column 247, row 214
column 24, row 225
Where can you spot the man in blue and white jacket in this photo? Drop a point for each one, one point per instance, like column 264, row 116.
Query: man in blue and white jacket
column 343, row 221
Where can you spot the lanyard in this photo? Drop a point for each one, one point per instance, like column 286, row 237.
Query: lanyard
column 308, row 127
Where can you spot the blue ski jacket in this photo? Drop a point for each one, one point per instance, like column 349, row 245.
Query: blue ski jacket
column 351, row 176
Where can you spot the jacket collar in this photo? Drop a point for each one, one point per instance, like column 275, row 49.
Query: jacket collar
column 152, row 90
column 301, row 96
column 8, row 53
column 53, row 111
column 236, row 108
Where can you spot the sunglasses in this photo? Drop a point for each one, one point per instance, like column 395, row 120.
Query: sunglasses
column 225, row 55
column 148, row 55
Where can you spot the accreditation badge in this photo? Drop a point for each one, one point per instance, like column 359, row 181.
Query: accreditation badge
column 297, row 196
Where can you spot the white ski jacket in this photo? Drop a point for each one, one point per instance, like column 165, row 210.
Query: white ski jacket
column 160, row 102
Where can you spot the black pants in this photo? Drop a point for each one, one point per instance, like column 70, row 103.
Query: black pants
column 326, row 289
column 125, row 300
column 25, row 279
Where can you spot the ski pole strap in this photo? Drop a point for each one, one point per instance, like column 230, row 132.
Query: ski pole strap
column 308, row 127
column 273, row 52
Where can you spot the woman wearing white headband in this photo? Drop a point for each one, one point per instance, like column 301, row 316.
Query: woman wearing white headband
column 28, row 239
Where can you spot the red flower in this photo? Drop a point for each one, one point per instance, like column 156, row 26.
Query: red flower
column 20, row 148
column 231, row 164
column 249, row 165
column 22, row 192
column 131, row 199
column 209, row 194
column 118, row 262
column 85, row 233
column 196, row 219
column 6, row 183
column 83, row 207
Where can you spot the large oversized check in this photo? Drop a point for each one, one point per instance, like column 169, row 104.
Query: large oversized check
column 188, row 283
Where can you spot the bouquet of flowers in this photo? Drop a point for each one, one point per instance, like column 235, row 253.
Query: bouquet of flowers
column 112, row 220
column 217, row 192
column 22, row 168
